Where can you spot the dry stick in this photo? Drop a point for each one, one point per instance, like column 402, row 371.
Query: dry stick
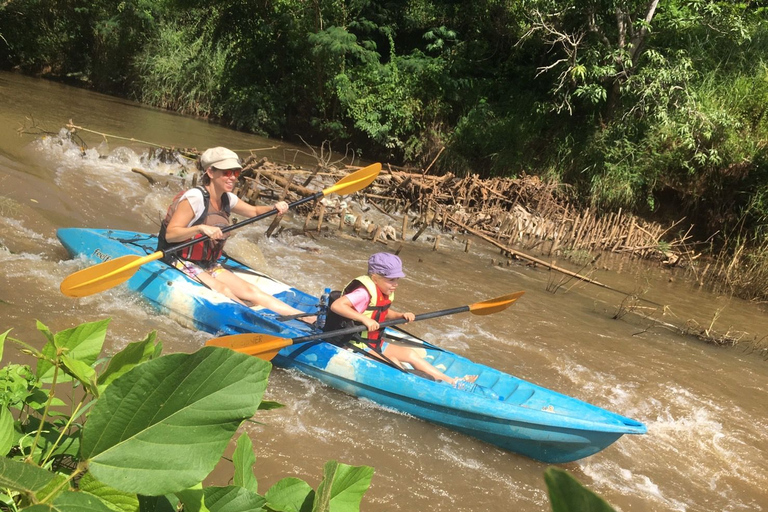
column 150, row 179
column 538, row 261
column 320, row 217
column 433, row 161
column 70, row 126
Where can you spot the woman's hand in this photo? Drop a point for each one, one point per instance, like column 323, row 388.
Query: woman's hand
column 212, row 232
column 281, row 207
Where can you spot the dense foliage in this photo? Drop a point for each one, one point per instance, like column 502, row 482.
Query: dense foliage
column 140, row 431
column 657, row 107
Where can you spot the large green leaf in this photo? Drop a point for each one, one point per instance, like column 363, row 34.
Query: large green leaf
column 290, row 495
column 118, row 501
column 82, row 343
column 342, row 488
column 566, row 494
column 71, row 501
column 233, row 499
column 25, row 478
column 132, row 355
column 243, row 460
column 162, row 427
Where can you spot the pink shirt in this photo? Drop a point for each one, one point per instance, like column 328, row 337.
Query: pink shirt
column 360, row 298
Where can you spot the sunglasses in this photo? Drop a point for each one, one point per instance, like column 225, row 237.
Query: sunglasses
column 230, row 172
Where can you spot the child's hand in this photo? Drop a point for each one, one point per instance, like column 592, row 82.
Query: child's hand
column 409, row 317
column 371, row 324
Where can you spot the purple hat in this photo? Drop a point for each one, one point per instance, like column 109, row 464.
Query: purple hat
column 385, row 264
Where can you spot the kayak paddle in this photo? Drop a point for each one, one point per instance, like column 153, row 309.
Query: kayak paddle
column 266, row 346
column 108, row 274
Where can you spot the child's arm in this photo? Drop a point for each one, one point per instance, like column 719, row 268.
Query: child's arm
column 394, row 315
column 343, row 307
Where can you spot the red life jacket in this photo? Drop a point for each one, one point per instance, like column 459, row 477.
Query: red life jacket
column 204, row 253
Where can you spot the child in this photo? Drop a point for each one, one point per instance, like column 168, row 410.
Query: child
column 367, row 300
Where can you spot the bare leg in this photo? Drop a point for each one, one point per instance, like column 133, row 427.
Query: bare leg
column 239, row 290
column 400, row 354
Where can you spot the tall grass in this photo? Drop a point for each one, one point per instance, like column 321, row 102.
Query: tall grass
column 182, row 71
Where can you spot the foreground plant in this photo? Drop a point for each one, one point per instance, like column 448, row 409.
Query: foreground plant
column 140, row 431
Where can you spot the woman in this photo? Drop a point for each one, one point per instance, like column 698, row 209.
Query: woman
column 204, row 211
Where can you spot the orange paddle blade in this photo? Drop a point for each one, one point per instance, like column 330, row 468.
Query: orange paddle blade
column 105, row 275
column 263, row 346
column 490, row 306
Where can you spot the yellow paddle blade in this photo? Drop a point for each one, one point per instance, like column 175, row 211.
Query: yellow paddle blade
column 105, row 275
column 358, row 180
column 263, row 346
column 490, row 306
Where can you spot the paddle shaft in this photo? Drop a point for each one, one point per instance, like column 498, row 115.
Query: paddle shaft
column 386, row 323
column 242, row 223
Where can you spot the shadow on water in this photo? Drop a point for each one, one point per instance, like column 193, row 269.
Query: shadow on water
column 707, row 444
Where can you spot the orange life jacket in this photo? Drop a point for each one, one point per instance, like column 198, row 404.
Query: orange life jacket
column 377, row 308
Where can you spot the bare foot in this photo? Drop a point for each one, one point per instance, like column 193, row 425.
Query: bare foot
column 470, row 378
column 311, row 320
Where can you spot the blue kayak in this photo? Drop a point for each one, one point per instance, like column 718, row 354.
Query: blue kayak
column 503, row 410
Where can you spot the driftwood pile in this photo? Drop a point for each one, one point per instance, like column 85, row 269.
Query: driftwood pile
column 526, row 213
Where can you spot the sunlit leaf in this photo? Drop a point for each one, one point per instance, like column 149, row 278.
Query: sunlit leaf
column 162, row 427
column 2, row 342
column 71, row 501
column 16, row 385
column 243, row 460
column 82, row 343
column 233, row 499
column 290, row 495
column 114, row 499
column 132, row 355
column 7, row 434
column 193, row 499
column 82, row 372
column 342, row 488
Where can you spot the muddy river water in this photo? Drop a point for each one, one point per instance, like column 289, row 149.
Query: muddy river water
column 705, row 406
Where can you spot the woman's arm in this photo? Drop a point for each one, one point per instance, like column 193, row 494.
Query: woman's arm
column 249, row 210
column 178, row 229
